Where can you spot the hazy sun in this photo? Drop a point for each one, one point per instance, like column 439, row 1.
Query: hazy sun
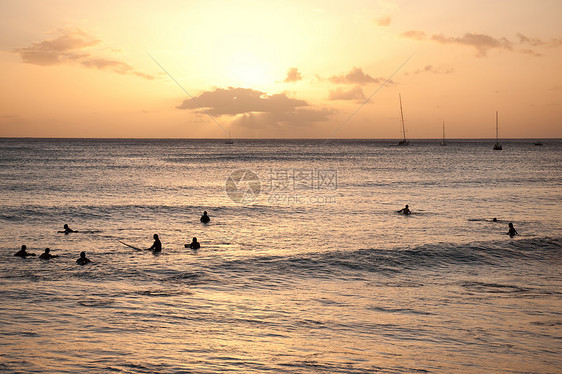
column 246, row 61
column 246, row 71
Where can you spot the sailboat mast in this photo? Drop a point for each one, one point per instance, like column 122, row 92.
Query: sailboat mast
column 402, row 115
column 496, row 126
column 443, row 130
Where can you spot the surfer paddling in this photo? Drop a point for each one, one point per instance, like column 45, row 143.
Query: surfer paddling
column 23, row 253
column 47, row 255
column 67, row 230
column 405, row 210
column 194, row 244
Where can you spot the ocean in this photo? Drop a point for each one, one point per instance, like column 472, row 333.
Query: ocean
column 305, row 266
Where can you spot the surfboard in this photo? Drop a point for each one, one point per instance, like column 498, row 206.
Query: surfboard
column 131, row 246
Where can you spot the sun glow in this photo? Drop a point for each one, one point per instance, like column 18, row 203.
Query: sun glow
column 246, row 71
column 81, row 69
column 246, row 61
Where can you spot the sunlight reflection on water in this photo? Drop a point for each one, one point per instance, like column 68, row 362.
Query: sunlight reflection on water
column 340, row 286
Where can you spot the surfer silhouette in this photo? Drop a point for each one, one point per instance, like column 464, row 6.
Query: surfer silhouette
column 512, row 232
column 47, row 255
column 205, row 218
column 194, row 244
column 23, row 252
column 405, row 210
column 83, row 260
column 157, row 246
column 67, row 230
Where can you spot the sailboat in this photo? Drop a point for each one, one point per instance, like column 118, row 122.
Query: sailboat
column 497, row 146
column 229, row 140
column 443, row 142
column 403, row 141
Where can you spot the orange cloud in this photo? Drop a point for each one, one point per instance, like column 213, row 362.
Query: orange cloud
column 355, row 76
column 57, row 51
column 414, row 34
column 293, row 75
column 237, row 100
column 301, row 117
column 532, row 41
column 384, row 21
column 114, row 65
column 256, row 108
column 530, row 52
column 484, row 43
column 536, row 42
column 434, row 70
column 72, row 48
column 481, row 42
column 356, row 93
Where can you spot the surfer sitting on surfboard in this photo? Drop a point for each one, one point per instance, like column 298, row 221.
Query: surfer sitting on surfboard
column 205, row 218
column 83, row 260
column 405, row 210
column 512, row 232
column 194, row 244
column 157, row 246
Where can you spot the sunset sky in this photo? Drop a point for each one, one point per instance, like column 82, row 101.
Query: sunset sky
column 280, row 69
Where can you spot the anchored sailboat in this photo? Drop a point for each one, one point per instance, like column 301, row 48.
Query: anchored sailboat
column 497, row 146
column 229, row 140
column 403, row 141
column 443, row 142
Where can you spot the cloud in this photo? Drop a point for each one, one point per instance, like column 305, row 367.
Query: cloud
column 56, row 51
column 73, row 47
column 383, row 21
column 293, row 75
column 114, row 65
column 531, row 41
column 11, row 119
column 356, row 93
column 434, row 70
column 355, row 76
column 301, row 117
column 481, row 42
column 530, row 52
column 256, row 109
column 484, row 43
column 237, row 100
column 414, row 34
column 536, row 42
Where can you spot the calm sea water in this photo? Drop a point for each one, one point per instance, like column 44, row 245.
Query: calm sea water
column 304, row 267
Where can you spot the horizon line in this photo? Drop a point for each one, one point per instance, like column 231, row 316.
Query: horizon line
column 245, row 139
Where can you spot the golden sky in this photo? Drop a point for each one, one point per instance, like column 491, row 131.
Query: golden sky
column 280, row 69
